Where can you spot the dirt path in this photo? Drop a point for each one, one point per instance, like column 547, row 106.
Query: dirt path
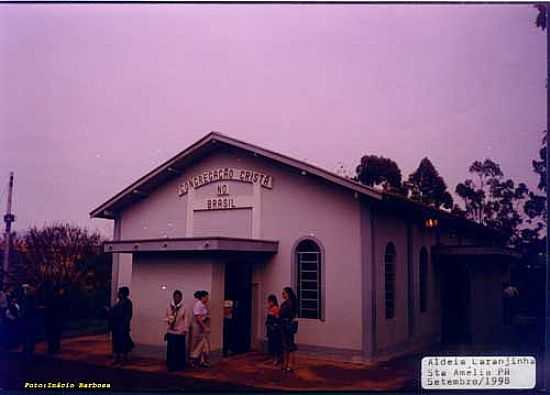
column 88, row 358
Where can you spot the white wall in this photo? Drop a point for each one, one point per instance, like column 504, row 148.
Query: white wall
column 296, row 207
column 150, row 274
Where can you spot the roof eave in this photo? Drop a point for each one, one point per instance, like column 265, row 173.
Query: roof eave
column 106, row 210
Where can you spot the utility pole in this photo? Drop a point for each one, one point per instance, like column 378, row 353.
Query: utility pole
column 8, row 219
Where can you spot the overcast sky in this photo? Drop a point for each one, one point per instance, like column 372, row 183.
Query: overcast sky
column 94, row 96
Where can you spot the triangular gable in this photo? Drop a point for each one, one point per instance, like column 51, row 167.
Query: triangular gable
column 175, row 166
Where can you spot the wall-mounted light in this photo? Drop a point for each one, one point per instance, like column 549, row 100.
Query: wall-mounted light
column 431, row 223
column 163, row 287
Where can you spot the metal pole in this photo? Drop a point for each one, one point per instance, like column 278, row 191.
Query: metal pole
column 8, row 219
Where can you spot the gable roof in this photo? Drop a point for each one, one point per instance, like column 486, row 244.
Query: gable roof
column 176, row 165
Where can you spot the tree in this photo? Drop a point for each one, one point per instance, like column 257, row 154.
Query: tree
column 60, row 253
column 535, row 207
column 493, row 200
column 428, row 187
column 541, row 16
column 379, row 171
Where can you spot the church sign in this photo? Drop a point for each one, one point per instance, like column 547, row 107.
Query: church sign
column 225, row 174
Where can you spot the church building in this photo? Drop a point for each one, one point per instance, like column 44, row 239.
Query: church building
column 375, row 273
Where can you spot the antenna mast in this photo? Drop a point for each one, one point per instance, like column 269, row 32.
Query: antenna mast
column 8, row 219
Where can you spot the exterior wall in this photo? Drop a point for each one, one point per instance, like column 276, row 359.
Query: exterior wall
column 159, row 215
column 486, row 307
column 409, row 326
column 151, row 273
column 121, row 269
column 298, row 206
column 428, row 323
column 352, row 236
column 391, row 332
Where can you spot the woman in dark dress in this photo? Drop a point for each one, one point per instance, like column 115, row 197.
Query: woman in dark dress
column 273, row 327
column 29, row 322
column 289, row 327
column 55, row 304
column 119, row 323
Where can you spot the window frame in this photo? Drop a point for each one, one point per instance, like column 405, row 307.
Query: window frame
column 389, row 304
column 320, row 276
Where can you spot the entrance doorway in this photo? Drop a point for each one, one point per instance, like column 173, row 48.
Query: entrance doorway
column 455, row 304
column 238, row 290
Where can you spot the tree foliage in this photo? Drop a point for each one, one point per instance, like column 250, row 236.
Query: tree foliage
column 60, row 253
column 492, row 200
column 535, row 207
column 379, row 171
column 540, row 21
column 427, row 186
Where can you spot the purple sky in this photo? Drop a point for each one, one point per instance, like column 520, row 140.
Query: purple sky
column 94, row 96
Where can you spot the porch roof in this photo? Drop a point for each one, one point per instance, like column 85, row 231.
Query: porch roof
column 475, row 250
column 193, row 244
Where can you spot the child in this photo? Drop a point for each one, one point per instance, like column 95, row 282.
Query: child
column 273, row 329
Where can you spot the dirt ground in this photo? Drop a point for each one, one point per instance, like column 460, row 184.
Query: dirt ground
column 88, row 359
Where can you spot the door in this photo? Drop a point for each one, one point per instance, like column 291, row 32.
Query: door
column 238, row 290
column 455, row 303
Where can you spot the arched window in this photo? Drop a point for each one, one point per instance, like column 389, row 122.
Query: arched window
column 389, row 280
column 423, row 279
column 308, row 262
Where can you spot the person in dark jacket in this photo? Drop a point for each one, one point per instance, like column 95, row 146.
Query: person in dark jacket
column 289, row 327
column 273, row 328
column 55, row 304
column 120, row 316
column 29, row 320
column 12, row 323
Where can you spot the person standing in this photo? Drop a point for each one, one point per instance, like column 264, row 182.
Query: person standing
column 510, row 295
column 29, row 320
column 3, row 320
column 200, row 331
column 228, row 331
column 55, row 303
column 273, row 330
column 289, row 327
column 12, row 323
column 176, row 333
column 119, row 323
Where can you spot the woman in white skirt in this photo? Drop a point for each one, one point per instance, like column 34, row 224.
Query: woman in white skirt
column 200, row 331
